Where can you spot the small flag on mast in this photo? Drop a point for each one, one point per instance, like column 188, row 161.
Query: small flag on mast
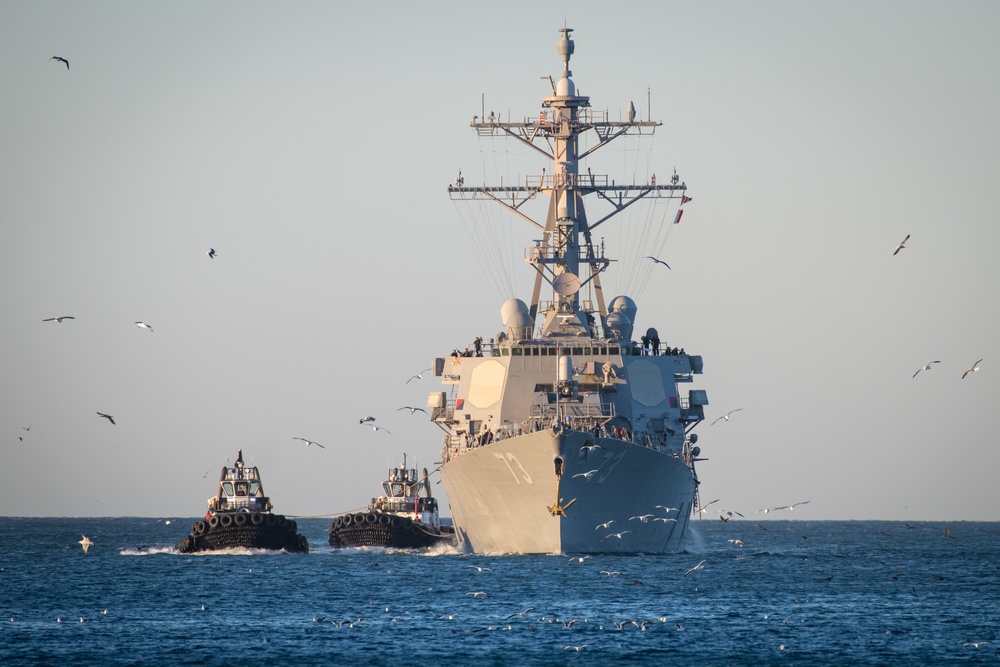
column 677, row 218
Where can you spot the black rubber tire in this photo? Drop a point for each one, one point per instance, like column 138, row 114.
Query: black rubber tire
column 240, row 519
column 384, row 520
column 270, row 519
column 371, row 519
column 225, row 520
column 346, row 520
column 213, row 522
column 256, row 518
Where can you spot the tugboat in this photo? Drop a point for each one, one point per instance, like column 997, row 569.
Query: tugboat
column 400, row 519
column 239, row 515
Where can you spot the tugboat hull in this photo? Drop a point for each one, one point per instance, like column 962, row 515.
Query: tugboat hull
column 248, row 530
column 380, row 529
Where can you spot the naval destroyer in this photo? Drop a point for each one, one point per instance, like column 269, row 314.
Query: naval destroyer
column 563, row 434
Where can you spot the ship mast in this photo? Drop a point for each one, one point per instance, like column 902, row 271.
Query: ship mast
column 566, row 247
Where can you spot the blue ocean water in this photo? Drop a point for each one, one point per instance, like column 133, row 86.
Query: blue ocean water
column 795, row 592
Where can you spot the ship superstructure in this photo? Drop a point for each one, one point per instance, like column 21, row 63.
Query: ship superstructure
column 564, row 435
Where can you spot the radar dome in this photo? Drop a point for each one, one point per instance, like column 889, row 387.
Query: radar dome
column 517, row 319
column 619, row 326
column 623, row 304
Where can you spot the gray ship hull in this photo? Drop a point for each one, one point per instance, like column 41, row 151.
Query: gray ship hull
column 502, row 495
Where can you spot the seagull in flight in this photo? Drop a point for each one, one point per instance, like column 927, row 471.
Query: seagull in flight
column 108, row 417
column 380, row 428
column 365, row 420
column 62, row 60
column 412, row 409
column 658, row 261
column 477, row 568
column 696, row 567
column 211, row 253
column 618, row 535
column 310, row 442
column 85, row 543
column 926, row 367
column 902, row 244
column 607, row 524
column 418, row 376
column 667, row 509
column 143, row 325
column 642, row 517
column 705, row 507
column 58, row 320
column 725, row 417
column 973, row 369
column 588, row 474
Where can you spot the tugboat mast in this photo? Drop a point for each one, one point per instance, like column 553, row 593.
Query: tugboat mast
column 567, row 243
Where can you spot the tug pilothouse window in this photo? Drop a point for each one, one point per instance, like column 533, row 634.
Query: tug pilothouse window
column 227, row 488
column 241, row 488
column 254, row 488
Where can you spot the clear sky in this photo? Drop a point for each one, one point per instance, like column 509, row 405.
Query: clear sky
column 311, row 145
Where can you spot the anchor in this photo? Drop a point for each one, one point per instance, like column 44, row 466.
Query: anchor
column 558, row 509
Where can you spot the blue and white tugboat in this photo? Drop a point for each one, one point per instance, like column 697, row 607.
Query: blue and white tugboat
column 240, row 515
column 399, row 519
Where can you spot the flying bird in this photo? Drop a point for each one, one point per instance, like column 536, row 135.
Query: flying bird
column 310, row 442
column 607, row 524
column 902, row 244
column 412, row 409
column 658, row 261
column 85, row 543
column 143, row 325
column 477, row 568
column 380, row 428
column 365, row 420
column 696, row 567
column 618, row 535
column 704, row 508
column 588, row 474
column 418, row 376
column 725, row 417
column 926, row 367
column 973, row 369
column 211, row 253
column 62, row 60
column 59, row 320
column 108, row 417
column 642, row 517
